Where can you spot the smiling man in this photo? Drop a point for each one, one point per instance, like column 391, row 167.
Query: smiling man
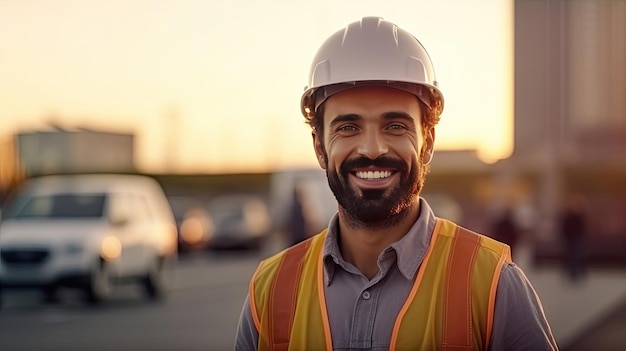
column 387, row 274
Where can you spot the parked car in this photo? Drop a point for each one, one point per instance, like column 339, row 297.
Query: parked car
column 87, row 232
column 242, row 221
column 195, row 225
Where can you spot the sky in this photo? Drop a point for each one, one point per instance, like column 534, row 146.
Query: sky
column 214, row 86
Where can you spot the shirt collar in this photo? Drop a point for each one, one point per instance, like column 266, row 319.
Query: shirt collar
column 410, row 249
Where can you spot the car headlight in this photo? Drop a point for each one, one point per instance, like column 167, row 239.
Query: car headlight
column 111, row 248
column 192, row 230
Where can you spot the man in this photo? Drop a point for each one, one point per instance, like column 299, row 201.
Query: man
column 573, row 229
column 386, row 274
column 505, row 228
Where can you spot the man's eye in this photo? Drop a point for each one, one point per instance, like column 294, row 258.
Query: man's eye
column 396, row 127
column 347, row 128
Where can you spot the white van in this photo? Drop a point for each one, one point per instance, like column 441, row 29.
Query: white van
column 88, row 232
column 318, row 201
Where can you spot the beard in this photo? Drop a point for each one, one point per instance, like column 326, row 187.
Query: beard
column 377, row 208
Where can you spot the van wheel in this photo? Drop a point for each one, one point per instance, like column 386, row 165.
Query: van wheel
column 154, row 281
column 98, row 287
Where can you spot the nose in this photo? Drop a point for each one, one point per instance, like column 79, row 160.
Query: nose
column 372, row 144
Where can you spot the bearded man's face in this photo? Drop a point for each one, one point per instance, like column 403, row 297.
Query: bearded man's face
column 374, row 151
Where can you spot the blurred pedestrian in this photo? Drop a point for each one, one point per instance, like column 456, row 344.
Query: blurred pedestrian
column 298, row 222
column 387, row 273
column 573, row 231
column 505, row 228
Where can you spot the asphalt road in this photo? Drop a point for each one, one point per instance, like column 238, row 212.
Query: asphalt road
column 200, row 313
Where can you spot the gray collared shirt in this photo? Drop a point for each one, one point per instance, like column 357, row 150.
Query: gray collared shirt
column 362, row 312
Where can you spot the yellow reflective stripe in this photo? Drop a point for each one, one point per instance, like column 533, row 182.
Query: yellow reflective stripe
column 259, row 297
column 322, row 299
column 310, row 319
column 416, row 284
column 252, row 298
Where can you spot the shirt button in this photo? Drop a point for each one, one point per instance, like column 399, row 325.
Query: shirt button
column 367, row 295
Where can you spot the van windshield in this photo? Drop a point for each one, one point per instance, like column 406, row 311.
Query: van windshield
column 57, row 206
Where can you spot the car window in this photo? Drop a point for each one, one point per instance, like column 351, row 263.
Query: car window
column 58, row 206
column 129, row 207
column 231, row 211
column 227, row 215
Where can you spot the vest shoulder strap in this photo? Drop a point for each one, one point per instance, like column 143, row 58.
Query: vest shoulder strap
column 283, row 291
column 457, row 333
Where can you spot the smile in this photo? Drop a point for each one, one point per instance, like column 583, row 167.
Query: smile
column 373, row 175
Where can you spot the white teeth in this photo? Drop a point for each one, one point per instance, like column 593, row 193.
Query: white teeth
column 371, row 175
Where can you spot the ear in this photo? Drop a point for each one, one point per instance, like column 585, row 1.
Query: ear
column 318, row 146
column 429, row 145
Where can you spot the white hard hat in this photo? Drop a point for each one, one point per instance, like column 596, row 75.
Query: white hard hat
column 371, row 51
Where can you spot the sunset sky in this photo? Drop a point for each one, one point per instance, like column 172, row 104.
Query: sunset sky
column 214, row 86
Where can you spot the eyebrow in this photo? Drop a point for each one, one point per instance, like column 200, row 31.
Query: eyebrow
column 399, row 115
column 351, row 117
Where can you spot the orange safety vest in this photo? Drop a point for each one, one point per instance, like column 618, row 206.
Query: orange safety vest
column 450, row 306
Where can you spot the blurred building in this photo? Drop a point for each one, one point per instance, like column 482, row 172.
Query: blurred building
column 570, row 108
column 74, row 151
column 570, row 77
column 569, row 126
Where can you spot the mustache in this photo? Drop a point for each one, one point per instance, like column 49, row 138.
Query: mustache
column 380, row 162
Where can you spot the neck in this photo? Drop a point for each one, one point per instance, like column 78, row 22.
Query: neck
column 362, row 243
